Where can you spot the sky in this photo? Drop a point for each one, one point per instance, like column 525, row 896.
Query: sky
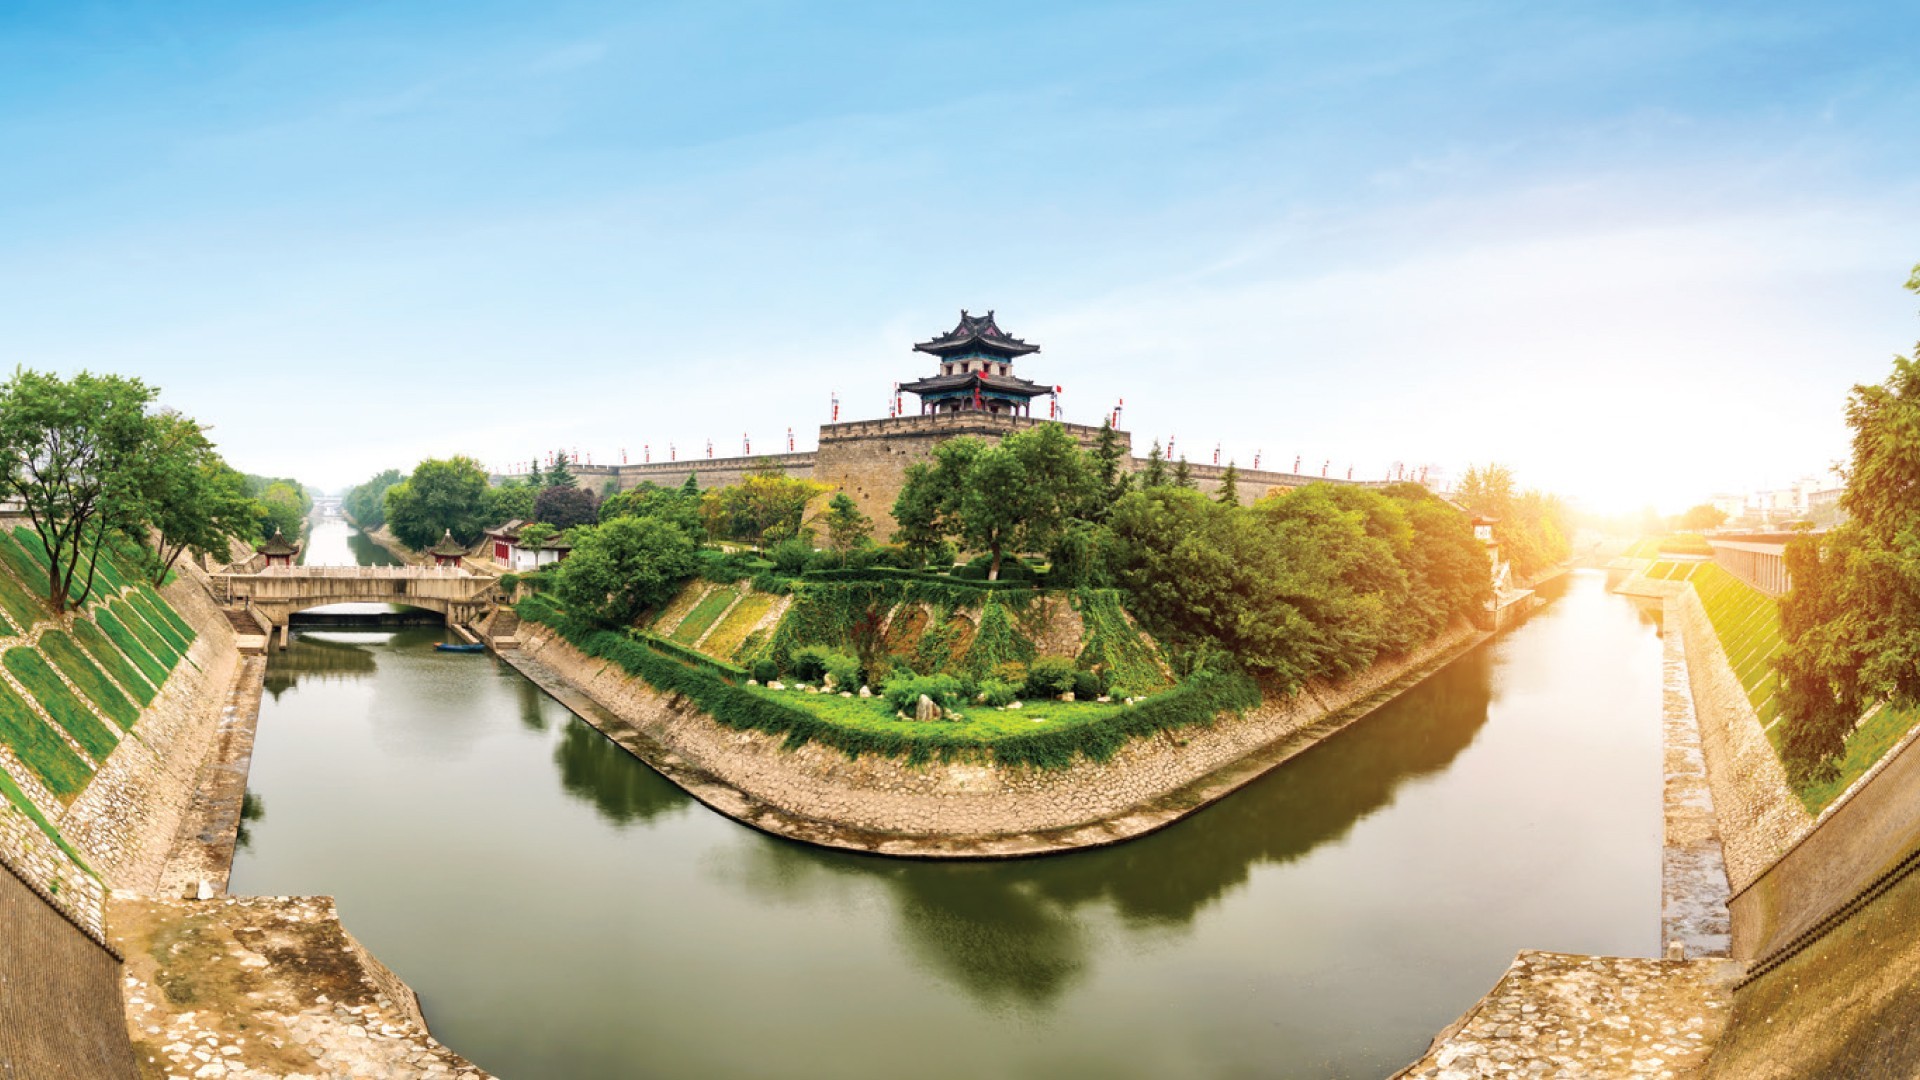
column 1637, row 252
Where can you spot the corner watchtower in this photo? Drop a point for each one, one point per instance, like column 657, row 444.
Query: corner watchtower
column 976, row 371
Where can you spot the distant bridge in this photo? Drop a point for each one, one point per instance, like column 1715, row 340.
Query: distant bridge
column 274, row 594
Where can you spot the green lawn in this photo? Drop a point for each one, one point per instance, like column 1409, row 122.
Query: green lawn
column 704, row 614
column 982, row 722
column 43, row 751
column 150, row 607
column 61, row 703
column 173, row 618
column 18, row 603
column 1747, row 621
column 130, row 646
column 109, row 656
column 59, row 648
column 131, row 618
column 12, row 793
column 1867, row 744
column 24, row 566
column 1644, row 548
column 733, row 630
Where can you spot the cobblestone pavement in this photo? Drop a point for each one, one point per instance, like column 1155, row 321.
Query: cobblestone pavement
column 260, row 987
column 1559, row 1015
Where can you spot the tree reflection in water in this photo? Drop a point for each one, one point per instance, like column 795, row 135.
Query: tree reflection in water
column 595, row 769
column 315, row 657
column 1016, row 932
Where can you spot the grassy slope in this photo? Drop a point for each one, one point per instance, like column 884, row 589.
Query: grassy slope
column 983, row 723
column 732, row 632
column 704, row 614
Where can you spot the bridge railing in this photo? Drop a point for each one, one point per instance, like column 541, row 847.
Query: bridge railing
column 445, row 573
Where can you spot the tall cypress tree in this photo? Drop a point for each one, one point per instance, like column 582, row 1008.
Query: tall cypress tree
column 1229, row 486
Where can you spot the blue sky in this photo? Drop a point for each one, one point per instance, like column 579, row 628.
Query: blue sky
column 1637, row 251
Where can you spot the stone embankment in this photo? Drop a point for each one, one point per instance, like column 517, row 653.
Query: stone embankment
column 1757, row 814
column 267, row 986
column 958, row 809
column 1557, row 1015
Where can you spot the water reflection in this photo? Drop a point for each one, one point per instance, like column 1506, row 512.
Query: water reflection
column 596, row 769
column 1323, row 921
column 1015, row 931
column 311, row 656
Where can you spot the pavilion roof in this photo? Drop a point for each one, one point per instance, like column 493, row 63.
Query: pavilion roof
column 992, row 384
column 976, row 333
column 448, row 546
column 278, row 544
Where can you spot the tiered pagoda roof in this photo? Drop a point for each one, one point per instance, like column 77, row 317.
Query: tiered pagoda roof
column 447, row 546
column 976, row 334
column 278, row 545
column 1012, row 385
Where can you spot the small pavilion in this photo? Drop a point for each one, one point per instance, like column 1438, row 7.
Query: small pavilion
column 279, row 550
column 976, row 371
column 447, row 552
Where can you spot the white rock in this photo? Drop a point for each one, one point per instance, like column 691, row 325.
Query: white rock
column 866, row 691
column 776, row 685
column 1016, row 704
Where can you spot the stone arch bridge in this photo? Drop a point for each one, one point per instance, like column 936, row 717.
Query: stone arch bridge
column 276, row 593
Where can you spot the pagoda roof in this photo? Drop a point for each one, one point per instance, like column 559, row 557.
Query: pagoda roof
column 447, row 546
column 278, row 544
column 976, row 333
column 1000, row 384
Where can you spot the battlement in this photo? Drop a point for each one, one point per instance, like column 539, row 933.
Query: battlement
column 941, row 426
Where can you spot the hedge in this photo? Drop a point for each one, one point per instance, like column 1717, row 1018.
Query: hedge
column 889, row 573
column 130, row 646
column 45, row 753
column 1195, row 703
column 66, row 709
column 82, row 672
column 113, row 660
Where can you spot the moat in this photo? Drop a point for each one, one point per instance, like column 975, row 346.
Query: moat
column 564, row 911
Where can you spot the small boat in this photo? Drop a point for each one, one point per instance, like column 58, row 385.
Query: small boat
column 457, row 646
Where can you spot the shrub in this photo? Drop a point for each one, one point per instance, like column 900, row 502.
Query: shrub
column 1049, row 676
column 810, row 663
column 1086, row 685
column 1012, row 568
column 997, row 693
column 845, row 671
column 765, row 670
column 1013, row 673
column 791, row 556
column 903, row 692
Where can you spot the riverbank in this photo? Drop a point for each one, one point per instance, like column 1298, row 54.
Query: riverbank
column 957, row 810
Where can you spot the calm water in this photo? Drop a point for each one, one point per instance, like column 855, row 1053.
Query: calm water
column 564, row 912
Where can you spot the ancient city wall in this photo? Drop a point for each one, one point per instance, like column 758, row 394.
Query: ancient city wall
column 954, row 809
column 60, row 1011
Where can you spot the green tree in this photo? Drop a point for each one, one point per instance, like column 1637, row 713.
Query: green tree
column 1018, row 495
column 1155, row 473
column 367, row 503
column 443, row 495
column 621, row 568
column 1701, row 518
column 1109, row 471
column 511, row 501
column 194, row 500
column 535, row 478
column 558, row 475
column 283, row 508
column 1183, row 475
column 765, row 507
column 74, row 452
column 847, row 528
column 1229, row 492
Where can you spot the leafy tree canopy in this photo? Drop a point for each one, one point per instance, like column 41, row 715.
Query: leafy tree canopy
column 443, row 495
column 623, row 567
